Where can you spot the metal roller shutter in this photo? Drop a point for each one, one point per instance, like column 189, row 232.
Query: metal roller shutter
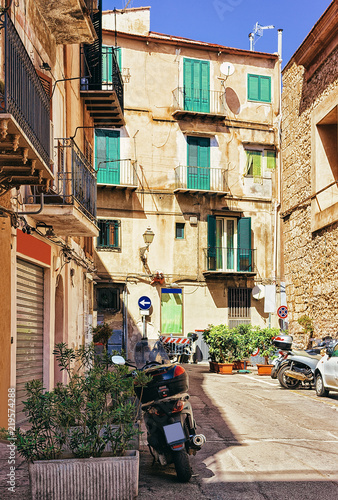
column 29, row 350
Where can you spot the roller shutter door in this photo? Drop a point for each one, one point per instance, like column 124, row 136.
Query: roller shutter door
column 29, row 350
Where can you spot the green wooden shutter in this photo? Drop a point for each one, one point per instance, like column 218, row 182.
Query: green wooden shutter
column 118, row 54
column 198, row 163
column 205, row 86
column 188, row 84
column 211, row 252
column 265, row 88
column 100, row 149
column 244, row 257
column 107, row 147
column 254, row 163
column 271, row 159
column 253, row 87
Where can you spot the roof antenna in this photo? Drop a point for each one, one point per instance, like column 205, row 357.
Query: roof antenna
column 258, row 33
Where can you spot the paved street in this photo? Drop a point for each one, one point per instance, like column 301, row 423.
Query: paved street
column 263, row 442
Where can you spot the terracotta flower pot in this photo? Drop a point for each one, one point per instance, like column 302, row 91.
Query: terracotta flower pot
column 239, row 365
column 225, row 368
column 213, row 366
column 264, row 369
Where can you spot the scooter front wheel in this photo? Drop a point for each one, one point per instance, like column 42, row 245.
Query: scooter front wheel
column 285, row 381
column 182, row 466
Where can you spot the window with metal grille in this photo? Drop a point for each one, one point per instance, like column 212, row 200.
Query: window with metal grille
column 109, row 236
column 179, row 233
column 239, row 303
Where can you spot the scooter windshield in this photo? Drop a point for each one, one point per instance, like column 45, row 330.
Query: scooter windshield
column 149, row 350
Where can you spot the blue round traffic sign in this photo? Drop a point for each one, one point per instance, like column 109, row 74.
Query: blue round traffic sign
column 144, row 302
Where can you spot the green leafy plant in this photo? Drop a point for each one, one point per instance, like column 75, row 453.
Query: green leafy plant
column 95, row 409
column 101, row 334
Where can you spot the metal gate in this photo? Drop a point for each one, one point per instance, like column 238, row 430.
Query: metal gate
column 29, row 314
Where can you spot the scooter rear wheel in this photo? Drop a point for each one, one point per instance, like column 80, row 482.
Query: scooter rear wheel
column 182, row 466
column 285, row 381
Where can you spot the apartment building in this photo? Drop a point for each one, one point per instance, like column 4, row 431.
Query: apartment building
column 49, row 109
column 188, row 191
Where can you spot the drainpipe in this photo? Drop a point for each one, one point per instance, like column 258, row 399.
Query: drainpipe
column 125, row 319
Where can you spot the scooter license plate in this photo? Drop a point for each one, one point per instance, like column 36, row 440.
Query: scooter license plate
column 174, row 433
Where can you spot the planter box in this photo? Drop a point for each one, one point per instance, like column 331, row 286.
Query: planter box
column 213, row 366
column 225, row 368
column 239, row 365
column 264, row 369
column 104, row 478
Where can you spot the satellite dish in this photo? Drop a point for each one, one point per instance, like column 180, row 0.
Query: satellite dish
column 227, row 69
column 258, row 292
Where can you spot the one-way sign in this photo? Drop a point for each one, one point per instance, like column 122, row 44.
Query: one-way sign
column 144, row 302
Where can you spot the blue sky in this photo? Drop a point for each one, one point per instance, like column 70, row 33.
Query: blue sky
column 229, row 22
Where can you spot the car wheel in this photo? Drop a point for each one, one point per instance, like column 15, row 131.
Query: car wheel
column 285, row 381
column 321, row 391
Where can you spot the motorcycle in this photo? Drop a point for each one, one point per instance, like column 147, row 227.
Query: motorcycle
column 179, row 349
column 167, row 412
column 294, row 368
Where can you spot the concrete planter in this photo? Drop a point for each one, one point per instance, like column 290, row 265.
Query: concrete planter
column 104, row 478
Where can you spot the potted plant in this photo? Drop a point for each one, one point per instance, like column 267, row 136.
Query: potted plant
column 80, row 433
column 262, row 339
column 242, row 336
column 101, row 334
column 221, row 348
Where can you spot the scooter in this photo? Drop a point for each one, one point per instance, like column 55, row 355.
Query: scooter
column 293, row 368
column 168, row 415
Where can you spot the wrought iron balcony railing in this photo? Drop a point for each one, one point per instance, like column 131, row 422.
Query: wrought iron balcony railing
column 22, row 94
column 75, row 181
column 198, row 101
column 230, row 259
column 200, row 179
column 122, row 173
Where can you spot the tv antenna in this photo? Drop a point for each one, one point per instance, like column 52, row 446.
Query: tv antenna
column 258, row 33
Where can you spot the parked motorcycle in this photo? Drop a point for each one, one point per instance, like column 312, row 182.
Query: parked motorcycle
column 294, row 368
column 168, row 415
column 179, row 349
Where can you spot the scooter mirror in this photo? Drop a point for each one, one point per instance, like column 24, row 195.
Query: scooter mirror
column 118, row 360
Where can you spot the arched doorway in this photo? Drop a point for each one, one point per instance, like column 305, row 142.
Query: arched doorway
column 58, row 327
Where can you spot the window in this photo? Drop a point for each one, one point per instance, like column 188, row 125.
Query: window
column 196, row 75
column 171, row 311
column 179, row 233
column 257, row 161
column 259, row 88
column 229, row 244
column 239, row 306
column 109, row 236
column 108, row 298
column 109, row 62
column 107, row 156
column 198, row 175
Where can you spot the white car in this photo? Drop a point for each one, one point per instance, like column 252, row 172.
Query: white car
column 326, row 372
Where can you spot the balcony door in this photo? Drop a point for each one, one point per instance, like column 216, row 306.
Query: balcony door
column 196, row 76
column 226, row 244
column 107, row 156
column 198, row 174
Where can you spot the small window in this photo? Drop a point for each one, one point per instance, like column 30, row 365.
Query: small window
column 239, row 303
column 259, row 88
column 109, row 236
column 179, row 234
column 257, row 161
column 108, row 298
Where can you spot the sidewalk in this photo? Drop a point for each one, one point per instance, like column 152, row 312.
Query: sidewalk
column 21, row 489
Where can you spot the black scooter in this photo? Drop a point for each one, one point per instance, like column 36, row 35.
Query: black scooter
column 168, row 416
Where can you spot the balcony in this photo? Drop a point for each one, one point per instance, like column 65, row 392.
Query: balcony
column 24, row 116
column 206, row 180
column 102, row 86
column 189, row 103
column 117, row 174
column 69, row 206
column 69, row 20
column 229, row 260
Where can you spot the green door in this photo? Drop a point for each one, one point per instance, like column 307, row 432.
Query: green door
column 198, row 175
column 196, row 76
column 107, row 146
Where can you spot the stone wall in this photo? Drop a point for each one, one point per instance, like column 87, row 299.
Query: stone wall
column 310, row 258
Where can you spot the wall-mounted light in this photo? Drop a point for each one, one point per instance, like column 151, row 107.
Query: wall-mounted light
column 45, row 66
column 148, row 237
